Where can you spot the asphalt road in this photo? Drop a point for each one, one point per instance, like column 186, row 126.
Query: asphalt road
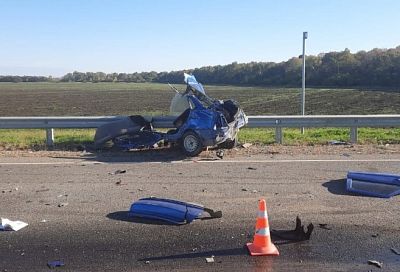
column 93, row 233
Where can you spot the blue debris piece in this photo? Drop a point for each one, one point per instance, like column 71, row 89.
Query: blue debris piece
column 54, row 264
column 373, row 184
column 173, row 211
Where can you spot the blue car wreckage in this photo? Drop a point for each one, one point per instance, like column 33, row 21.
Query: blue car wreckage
column 201, row 122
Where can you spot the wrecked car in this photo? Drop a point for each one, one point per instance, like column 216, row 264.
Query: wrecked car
column 201, row 122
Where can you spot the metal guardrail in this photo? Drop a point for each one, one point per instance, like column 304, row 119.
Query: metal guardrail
column 278, row 122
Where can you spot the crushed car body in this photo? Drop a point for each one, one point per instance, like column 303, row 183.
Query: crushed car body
column 201, row 122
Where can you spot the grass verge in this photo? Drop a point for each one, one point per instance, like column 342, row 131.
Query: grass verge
column 70, row 139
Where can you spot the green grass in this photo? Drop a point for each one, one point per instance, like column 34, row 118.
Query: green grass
column 69, row 139
column 321, row 136
column 36, row 138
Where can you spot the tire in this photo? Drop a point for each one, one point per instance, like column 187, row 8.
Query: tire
column 191, row 144
column 229, row 144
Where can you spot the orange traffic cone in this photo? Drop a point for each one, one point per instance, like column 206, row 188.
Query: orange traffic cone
column 262, row 244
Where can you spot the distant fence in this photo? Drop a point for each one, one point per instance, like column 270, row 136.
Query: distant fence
column 277, row 122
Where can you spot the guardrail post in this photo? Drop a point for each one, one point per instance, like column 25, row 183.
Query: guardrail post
column 49, row 137
column 353, row 135
column 278, row 135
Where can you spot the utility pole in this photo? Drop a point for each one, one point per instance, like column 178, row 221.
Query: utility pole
column 303, row 93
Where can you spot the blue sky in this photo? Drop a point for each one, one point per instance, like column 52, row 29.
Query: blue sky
column 53, row 37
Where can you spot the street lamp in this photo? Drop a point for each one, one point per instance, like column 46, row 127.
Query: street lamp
column 303, row 93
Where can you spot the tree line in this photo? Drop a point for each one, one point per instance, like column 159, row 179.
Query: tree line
column 378, row 67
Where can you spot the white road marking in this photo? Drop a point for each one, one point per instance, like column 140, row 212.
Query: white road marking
column 301, row 160
column 84, row 162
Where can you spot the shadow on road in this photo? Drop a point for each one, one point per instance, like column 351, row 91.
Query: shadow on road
column 124, row 216
column 338, row 187
column 138, row 156
column 216, row 253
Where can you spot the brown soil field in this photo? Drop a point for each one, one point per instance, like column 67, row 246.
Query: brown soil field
column 93, row 99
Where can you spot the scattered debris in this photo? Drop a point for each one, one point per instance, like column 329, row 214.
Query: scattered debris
column 63, row 204
column 220, row 153
column 210, row 260
column 298, row 234
column 117, row 172
column 395, row 251
column 376, row 263
column 11, row 225
column 246, row 145
column 324, row 226
column 335, row 142
column 54, row 264
column 251, row 168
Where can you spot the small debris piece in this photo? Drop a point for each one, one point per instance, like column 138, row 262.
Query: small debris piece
column 11, row 225
column 375, row 235
column 346, row 155
column 244, row 189
column 324, row 226
column 334, row 142
column 43, row 221
column 395, row 251
column 251, row 168
column 140, row 189
column 42, row 190
column 298, row 234
column 194, row 249
column 119, row 172
column 63, row 204
column 147, row 262
column 376, row 263
column 204, row 190
column 220, row 153
column 54, row 264
column 210, row 260
column 118, row 182
column 246, row 145
column 254, row 191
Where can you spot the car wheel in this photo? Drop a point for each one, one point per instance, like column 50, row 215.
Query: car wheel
column 191, row 144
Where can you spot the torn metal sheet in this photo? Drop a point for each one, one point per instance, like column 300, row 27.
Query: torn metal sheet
column 373, row 184
column 173, row 211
